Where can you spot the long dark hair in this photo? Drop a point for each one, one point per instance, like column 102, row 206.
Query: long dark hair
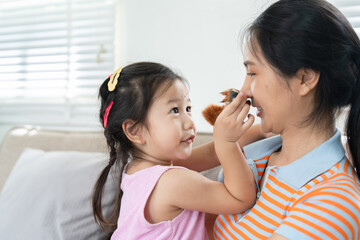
column 132, row 97
column 313, row 34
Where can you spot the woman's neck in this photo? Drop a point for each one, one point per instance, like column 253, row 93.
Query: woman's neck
column 298, row 141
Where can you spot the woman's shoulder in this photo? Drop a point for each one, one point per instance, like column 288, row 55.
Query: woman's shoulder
column 262, row 148
column 339, row 186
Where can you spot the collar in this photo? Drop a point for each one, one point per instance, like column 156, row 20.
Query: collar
column 301, row 171
column 314, row 163
column 262, row 148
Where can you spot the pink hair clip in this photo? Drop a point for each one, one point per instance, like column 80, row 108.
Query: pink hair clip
column 106, row 115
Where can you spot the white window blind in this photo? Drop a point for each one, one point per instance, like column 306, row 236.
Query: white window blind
column 54, row 54
column 351, row 10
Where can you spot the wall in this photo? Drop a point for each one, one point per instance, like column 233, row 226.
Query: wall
column 198, row 39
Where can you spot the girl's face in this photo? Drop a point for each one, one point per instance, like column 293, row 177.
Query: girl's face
column 170, row 130
column 271, row 95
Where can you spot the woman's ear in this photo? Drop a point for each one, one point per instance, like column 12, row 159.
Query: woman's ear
column 133, row 132
column 309, row 79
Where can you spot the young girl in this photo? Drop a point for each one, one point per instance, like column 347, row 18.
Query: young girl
column 146, row 114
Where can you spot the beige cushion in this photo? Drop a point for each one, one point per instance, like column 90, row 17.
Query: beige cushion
column 48, row 196
column 21, row 137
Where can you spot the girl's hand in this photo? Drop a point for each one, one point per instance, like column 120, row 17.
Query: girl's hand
column 230, row 125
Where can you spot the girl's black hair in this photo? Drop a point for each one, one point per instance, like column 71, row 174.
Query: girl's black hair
column 132, row 97
column 313, row 34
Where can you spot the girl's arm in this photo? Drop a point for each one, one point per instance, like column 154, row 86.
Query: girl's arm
column 204, row 157
column 186, row 189
column 228, row 129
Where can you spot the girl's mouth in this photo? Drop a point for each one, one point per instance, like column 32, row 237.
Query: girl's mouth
column 190, row 139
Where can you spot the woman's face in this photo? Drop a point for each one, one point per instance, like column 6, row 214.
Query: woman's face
column 271, row 94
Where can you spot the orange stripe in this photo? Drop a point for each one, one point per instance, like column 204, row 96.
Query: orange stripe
column 346, row 167
column 252, row 231
column 321, row 218
column 324, row 176
column 332, row 213
column 277, row 193
column 311, row 224
column 353, row 173
column 232, row 226
column 274, row 202
column 346, row 179
column 347, row 191
column 315, row 181
column 260, row 165
column 265, row 218
column 259, row 225
column 260, row 174
column 337, row 165
column 301, row 230
column 320, row 192
column 216, row 236
column 218, row 230
column 349, row 184
column 225, row 227
column 299, row 192
column 336, row 204
column 282, row 185
column 270, row 210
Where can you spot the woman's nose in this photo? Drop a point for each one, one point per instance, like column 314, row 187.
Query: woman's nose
column 246, row 87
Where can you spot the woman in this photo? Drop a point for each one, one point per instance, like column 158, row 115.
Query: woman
column 303, row 65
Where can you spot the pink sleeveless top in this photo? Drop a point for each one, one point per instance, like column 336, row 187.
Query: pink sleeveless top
column 132, row 224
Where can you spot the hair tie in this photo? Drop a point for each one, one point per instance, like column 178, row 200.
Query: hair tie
column 114, row 80
column 106, row 115
column 111, row 161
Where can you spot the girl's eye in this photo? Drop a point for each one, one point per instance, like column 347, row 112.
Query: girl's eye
column 188, row 108
column 251, row 74
column 174, row 110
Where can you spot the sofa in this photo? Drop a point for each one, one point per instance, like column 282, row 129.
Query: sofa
column 46, row 180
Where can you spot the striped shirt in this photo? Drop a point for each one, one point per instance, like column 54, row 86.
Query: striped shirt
column 315, row 197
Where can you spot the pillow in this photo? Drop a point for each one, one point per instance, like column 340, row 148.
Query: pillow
column 48, row 196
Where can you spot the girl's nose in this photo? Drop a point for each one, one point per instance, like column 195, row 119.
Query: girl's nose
column 188, row 122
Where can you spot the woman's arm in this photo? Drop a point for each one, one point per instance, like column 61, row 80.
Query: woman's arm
column 202, row 158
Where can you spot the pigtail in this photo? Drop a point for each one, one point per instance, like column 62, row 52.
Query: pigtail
column 104, row 222
column 353, row 123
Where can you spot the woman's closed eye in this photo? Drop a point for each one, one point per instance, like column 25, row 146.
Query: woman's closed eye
column 250, row 74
